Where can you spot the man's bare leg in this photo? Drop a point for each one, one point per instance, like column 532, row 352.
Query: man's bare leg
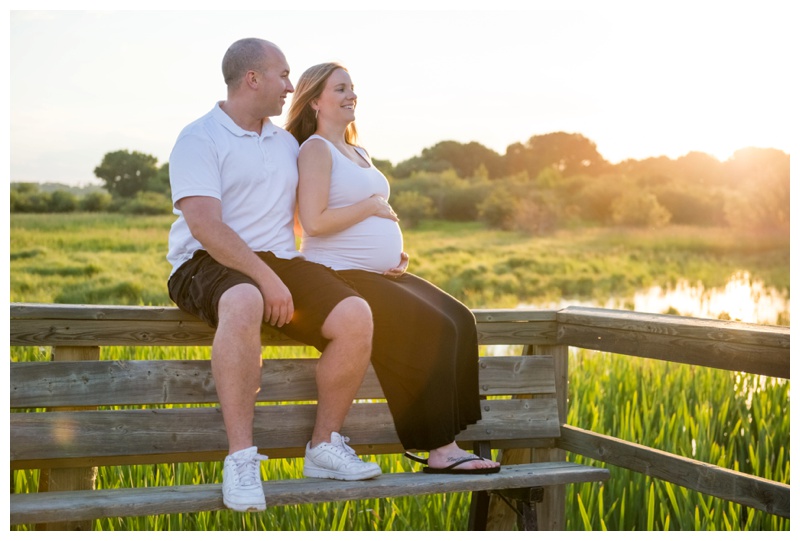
column 236, row 361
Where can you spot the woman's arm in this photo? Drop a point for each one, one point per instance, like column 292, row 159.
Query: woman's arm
column 313, row 192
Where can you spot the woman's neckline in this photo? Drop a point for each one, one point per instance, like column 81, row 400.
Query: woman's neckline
column 345, row 156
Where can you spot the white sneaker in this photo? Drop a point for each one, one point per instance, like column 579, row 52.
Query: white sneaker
column 241, row 481
column 337, row 460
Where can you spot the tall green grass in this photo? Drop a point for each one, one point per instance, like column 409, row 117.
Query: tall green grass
column 728, row 419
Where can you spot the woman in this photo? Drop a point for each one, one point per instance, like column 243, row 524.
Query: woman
column 425, row 345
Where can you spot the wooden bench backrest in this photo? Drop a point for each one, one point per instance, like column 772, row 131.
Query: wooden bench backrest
column 170, row 411
column 172, row 415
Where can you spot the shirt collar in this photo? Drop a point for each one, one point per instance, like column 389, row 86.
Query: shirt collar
column 268, row 129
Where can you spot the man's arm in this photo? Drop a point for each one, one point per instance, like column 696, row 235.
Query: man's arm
column 203, row 215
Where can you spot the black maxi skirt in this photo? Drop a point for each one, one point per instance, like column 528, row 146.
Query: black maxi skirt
column 425, row 354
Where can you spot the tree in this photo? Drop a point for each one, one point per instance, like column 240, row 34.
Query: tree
column 568, row 153
column 126, row 173
column 464, row 159
column 761, row 179
column 160, row 181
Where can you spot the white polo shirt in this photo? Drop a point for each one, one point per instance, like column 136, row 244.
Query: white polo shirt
column 253, row 175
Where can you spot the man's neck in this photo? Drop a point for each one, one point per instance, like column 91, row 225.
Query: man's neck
column 241, row 116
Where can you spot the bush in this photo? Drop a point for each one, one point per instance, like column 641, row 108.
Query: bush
column 536, row 216
column 96, row 202
column 498, row 210
column 639, row 209
column 63, row 201
column 151, row 203
column 412, row 208
column 29, row 201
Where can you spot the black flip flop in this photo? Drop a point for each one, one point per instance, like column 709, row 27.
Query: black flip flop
column 451, row 468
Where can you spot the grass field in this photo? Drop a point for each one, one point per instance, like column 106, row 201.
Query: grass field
column 729, row 419
column 109, row 258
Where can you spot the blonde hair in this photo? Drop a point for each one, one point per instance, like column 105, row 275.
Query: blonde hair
column 301, row 119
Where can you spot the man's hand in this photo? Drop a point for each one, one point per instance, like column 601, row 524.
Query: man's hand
column 278, row 303
column 204, row 218
column 400, row 269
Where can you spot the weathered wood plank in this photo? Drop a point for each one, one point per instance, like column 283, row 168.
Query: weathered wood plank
column 32, row 508
column 108, row 383
column 36, row 332
column 84, row 325
column 730, row 345
column 120, row 332
column 747, row 490
column 172, row 313
column 143, row 432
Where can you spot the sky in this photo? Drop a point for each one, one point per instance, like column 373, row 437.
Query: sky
column 639, row 82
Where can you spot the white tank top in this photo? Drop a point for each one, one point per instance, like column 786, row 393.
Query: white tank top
column 373, row 244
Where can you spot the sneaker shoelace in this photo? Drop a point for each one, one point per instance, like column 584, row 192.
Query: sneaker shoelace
column 346, row 451
column 249, row 469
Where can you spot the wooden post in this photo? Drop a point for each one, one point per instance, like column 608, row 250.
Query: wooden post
column 551, row 511
column 51, row 480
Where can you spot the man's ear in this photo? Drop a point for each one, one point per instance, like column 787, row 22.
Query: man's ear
column 251, row 78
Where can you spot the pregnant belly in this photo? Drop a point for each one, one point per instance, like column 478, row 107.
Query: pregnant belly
column 372, row 245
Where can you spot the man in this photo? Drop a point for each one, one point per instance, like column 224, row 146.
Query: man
column 234, row 176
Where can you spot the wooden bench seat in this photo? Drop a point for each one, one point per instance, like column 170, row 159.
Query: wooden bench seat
column 88, row 413
column 91, row 504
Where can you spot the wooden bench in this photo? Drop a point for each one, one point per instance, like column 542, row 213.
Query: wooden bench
column 76, row 413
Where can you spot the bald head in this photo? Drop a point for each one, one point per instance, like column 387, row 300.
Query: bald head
column 243, row 55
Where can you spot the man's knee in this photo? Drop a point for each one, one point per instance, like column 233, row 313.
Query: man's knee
column 242, row 304
column 351, row 318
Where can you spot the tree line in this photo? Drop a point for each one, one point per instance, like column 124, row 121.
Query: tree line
column 551, row 181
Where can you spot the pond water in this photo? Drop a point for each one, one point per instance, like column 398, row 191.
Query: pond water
column 740, row 299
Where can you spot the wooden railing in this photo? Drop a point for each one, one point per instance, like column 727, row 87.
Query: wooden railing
column 77, row 331
column 728, row 345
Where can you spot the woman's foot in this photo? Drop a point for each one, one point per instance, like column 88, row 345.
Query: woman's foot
column 450, row 454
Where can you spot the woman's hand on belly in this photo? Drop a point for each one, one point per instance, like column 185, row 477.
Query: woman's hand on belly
column 400, row 269
column 383, row 208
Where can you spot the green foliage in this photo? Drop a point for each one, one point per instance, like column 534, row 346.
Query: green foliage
column 159, row 182
column 26, row 197
column 484, row 268
column 49, row 198
column 569, row 153
column 147, row 203
column 498, row 209
column 63, row 201
column 729, row 419
column 95, row 202
column 639, row 209
column 547, row 183
column 126, row 173
column 464, row 159
column 412, row 208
